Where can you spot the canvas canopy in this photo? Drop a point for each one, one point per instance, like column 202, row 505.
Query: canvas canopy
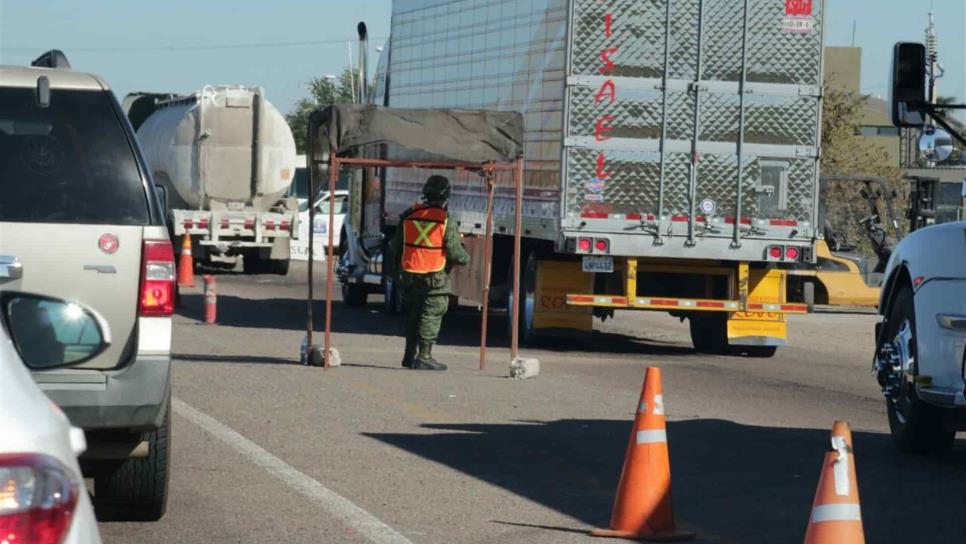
column 450, row 135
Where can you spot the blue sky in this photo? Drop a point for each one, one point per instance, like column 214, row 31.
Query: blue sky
column 130, row 43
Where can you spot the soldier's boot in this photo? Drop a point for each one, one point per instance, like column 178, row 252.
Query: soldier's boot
column 412, row 344
column 425, row 361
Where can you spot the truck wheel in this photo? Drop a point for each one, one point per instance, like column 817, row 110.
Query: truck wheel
column 355, row 294
column 528, row 286
column 393, row 299
column 280, row 267
column 136, row 489
column 709, row 333
column 252, row 265
column 808, row 295
column 916, row 426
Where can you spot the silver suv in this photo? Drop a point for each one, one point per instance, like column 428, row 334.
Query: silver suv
column 80, row 220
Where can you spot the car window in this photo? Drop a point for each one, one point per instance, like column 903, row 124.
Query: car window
column 341, row 205
column 67, row 163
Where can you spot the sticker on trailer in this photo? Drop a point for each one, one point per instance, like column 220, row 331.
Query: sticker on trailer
column 592, row 197
column 708, row 206
column 799, row 17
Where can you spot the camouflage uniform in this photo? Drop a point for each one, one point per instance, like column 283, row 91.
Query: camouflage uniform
column 426, row 296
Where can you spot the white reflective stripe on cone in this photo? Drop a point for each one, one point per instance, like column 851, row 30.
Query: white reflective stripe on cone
column 651, row 437
column 836, row 512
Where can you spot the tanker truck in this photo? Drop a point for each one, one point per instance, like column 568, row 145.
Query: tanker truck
column 223, row 159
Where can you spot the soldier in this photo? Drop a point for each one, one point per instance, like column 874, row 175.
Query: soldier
column 430, row 247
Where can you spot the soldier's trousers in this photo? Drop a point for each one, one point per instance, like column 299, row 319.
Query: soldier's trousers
column 424, row 315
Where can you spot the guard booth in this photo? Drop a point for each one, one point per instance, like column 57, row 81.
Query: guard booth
column 454, row 141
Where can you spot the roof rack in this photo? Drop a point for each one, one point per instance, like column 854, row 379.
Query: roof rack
column 55, row 58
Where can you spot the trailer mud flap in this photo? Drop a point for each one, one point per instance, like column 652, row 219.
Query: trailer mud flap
column 554, row 280
column 764, row 328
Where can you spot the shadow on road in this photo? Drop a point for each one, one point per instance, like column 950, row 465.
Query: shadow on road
column 734, row 483
column 461, row 328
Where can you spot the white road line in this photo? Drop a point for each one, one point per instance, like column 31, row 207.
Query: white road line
column 339, row 507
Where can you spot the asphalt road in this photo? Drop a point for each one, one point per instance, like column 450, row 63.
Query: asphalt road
column 267, row 450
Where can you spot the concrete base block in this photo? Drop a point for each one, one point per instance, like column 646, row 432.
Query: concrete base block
column 335, row 359
column 524, row 369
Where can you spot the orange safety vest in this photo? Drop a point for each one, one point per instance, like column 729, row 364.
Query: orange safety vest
column 424, row 233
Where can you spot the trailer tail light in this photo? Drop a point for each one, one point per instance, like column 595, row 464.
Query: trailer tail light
column 157, row 279
column 38, row 497
column 188, row 224
column 249, row 223
column 225, row 223
column 203, row 223
column 285, row 226
column 792, row 253
column 776, row 253
column 602, row 245
column 585, row 245
column 269, row 224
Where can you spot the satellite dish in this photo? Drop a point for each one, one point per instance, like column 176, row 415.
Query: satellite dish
column 935, row 144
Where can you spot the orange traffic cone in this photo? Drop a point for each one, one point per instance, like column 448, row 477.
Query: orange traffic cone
column 642, row 510
column 836, row 514
column 186, row 264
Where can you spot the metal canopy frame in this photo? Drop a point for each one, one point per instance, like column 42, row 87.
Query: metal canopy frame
column 486, row 170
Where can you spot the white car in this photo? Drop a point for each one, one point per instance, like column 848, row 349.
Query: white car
column 42, row 495
column 300, row 247
column 921, row 344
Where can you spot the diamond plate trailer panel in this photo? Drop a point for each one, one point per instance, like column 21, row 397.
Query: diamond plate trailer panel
column 706, row 110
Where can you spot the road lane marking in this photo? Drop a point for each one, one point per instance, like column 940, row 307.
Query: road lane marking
column 338, row 506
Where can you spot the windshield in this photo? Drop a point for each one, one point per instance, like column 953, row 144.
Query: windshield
column 67, row 163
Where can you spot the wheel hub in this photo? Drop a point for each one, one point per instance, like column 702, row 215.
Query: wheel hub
column 894, row 362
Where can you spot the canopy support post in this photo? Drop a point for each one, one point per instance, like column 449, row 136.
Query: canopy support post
column 517, row 242
column 330, row 268
column 487, row 266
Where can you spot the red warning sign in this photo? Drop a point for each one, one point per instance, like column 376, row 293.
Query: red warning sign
column 798, row 8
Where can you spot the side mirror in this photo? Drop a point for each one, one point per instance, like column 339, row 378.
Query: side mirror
column 935, row 144
column 50, row 333
column 908, row 91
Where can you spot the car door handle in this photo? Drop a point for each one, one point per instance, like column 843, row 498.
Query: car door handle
column 10, row 268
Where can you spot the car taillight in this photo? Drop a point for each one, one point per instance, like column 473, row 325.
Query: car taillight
column 37, row 499
column 157, row 279
column 792, row 253
column 602, row 246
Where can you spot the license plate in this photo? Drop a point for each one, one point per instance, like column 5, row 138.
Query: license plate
column 599, row 265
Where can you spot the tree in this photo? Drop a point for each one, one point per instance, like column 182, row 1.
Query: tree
column 322, row 92
column 846, row 153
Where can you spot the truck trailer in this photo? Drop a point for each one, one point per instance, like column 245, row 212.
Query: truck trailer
column 224, row 158
column 672, row 157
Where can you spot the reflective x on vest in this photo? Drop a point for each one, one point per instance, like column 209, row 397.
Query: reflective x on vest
column 424, row 232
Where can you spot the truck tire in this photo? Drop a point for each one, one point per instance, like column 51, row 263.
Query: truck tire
column 916, row 426
column 280, row 267
column 393, row 295
column 355, row 294
column 136, row 489
column 527, row 334
column 709, row 333
column 808, row 295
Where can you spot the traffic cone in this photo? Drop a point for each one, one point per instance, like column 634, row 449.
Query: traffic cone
column 642, row 510
column 186, row 264
column 836, row 513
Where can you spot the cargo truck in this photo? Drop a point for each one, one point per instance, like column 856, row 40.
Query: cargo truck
column 672, row 157
column 224, row 159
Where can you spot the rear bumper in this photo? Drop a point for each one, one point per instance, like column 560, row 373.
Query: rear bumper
column 132, row 398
